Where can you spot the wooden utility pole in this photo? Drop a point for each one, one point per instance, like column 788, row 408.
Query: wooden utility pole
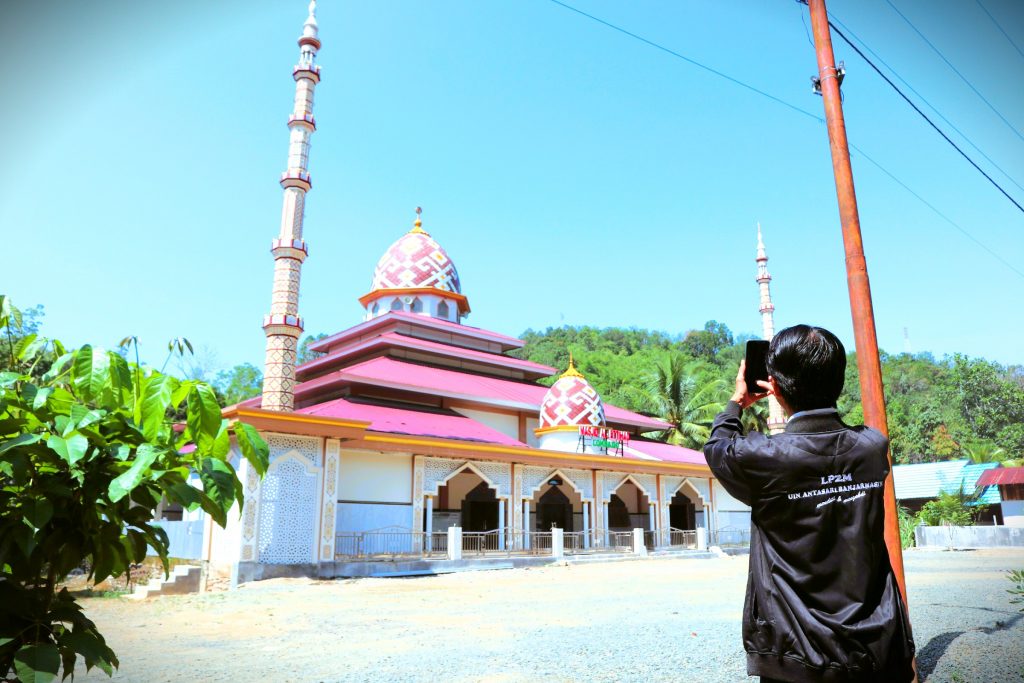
column 868, row 364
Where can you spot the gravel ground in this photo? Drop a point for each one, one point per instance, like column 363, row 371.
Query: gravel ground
column 648, row 620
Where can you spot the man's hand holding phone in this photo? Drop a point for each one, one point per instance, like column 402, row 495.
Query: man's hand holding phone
column 742, row 395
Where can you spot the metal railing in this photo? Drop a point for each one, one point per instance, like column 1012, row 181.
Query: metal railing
column 731, row 537
column 679, row 538
column 389, row 543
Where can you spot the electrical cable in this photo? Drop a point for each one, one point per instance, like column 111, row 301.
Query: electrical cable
column 924, row 116
column 955, row 70
column 923, row 99
column 1005, row 34
column 796, row 109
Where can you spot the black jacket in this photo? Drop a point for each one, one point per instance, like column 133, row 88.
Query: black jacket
column 822, row 601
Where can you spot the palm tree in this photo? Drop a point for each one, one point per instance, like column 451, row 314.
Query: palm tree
column 687, row 395
column 984, row 451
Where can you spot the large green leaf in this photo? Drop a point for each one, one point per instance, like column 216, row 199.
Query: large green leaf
column 71, row 448
column 120, row 487
column 90, row 372
column 151, row 412
column 219, row 485
column 39, row 512
column 253, row 447
column 204, row 419
column 37, row 663
column 20, row 440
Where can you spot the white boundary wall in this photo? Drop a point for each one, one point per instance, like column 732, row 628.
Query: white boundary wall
column 969, row 536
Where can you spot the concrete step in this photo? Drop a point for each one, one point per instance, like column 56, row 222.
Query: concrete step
column 185, row 578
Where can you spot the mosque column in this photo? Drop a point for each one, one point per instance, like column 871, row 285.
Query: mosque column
column 586, row 525
column 527, row 524
column 604, row 520
column 283, row 326
column 430, row 524
column 502, row 502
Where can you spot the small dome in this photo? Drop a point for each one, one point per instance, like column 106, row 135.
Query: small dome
column 570, row 402
column 416, row 261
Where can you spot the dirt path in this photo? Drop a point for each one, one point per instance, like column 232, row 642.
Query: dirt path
column 646, row 620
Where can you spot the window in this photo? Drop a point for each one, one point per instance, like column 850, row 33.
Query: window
column 396, row 305
column 417, row 305
column 376, row 308
column 442, row 310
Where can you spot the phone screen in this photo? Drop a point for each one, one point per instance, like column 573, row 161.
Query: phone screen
column 756, row 369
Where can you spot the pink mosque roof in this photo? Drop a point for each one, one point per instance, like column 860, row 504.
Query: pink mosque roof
column 413, row 422
column 396, row 374
column 413, row 261
column 665, row 452
column 393, row 339
column 393, row 317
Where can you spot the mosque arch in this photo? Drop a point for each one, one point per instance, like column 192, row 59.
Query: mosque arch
column 417, row 305
column 443, row 310
column 396, row 304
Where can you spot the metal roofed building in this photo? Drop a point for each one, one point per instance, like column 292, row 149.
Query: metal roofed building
column 919, row 483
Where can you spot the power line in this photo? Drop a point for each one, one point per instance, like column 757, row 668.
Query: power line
column 923, row 99
column 955, row 70
column 694, row 62
column 1007, row 35
column 795, row 108
column 924, row 116
column 941, row 215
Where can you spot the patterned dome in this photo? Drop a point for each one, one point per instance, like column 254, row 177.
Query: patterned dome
column 416, row 261
column 571, row 401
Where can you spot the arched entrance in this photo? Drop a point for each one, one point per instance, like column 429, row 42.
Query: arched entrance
column 555, row 509
column 682, row 513
column 629, row 508
column 480, row 509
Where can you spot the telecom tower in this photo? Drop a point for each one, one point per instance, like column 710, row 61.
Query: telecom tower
column 283, row 324
column 776, row 419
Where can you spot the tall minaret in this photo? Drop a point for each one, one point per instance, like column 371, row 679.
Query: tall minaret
column 283, row 325
column 776, row 419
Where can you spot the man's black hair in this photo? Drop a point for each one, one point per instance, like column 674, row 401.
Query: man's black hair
column 809, row 366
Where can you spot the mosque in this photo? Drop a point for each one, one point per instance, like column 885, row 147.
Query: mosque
column 414, row 436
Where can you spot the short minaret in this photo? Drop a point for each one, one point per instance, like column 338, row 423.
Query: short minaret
column 283, row 325
column 776, row 419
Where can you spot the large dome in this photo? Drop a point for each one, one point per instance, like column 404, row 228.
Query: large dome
column 570, row 402
column 416, row 275
column 416, row 261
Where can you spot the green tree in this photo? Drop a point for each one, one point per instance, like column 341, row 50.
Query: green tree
column 305, row 353
column 88, row 451
column 706, row 344
column 687, row 394
column 984, row 451
column 954, row 509
column 239, row 383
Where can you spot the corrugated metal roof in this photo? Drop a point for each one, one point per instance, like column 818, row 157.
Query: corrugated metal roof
column 971, row 473
column 929, row 479
column 1005, row 475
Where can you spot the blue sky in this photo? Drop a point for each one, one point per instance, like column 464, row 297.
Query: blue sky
column 575, row 175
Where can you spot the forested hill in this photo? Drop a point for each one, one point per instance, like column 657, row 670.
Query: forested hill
column 938, row 409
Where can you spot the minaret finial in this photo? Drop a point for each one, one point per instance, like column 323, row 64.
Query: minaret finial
column 310, row 28
column 417, row 225
column 571, row 371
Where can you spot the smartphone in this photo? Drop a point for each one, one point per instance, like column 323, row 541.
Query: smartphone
column 756, row 368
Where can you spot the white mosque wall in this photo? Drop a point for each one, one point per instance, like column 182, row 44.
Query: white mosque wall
column 429, row 305
column 532, row 423
column 374, row 477
column 729, row 511
column 501, row 422
column 370, row 516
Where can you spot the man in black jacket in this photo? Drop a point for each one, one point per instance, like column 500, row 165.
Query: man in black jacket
column 822, row 602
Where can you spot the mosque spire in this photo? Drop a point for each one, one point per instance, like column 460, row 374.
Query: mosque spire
column 282, row 325
column 776, row 419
